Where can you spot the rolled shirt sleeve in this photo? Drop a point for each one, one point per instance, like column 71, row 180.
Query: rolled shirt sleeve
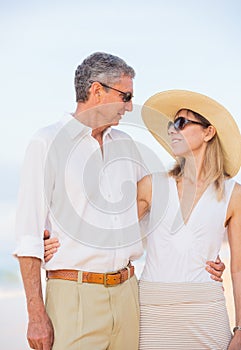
column 32, row 209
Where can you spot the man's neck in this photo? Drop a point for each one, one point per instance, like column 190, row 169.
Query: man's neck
column 87, row 115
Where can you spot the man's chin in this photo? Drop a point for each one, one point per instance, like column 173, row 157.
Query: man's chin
column 115, row 123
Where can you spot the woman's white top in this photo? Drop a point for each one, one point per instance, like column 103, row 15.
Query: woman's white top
column 175, row 251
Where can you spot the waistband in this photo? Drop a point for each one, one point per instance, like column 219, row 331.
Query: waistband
column 108, row 279
column 181, row 292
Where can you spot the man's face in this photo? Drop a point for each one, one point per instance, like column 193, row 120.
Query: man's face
column 112, row 106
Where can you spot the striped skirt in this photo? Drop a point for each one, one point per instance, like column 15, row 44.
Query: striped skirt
column 183, row 316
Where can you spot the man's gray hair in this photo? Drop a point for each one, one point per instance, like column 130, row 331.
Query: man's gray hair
column 102, row 67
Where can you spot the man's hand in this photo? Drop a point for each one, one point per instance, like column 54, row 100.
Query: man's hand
column 216, row 269
column 40, row 332
column 51, row 246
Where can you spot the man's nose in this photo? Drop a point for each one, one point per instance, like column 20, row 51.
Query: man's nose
column 129, row 106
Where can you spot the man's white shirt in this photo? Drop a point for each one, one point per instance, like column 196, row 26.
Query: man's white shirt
column 84, row 195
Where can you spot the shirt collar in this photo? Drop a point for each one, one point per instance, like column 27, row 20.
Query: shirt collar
column 75, row 127
column 108, row 132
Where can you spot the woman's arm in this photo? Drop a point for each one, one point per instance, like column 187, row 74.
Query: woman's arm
column 234, row 236
column 144, row 195
column 51, row 246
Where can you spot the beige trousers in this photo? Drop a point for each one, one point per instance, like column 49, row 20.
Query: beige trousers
column 93, row 317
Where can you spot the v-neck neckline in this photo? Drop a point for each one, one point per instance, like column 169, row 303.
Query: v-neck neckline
column 185, row 223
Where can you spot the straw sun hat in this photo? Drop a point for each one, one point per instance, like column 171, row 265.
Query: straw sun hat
column 162, row 107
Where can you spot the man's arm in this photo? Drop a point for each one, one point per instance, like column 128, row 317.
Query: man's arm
column 216, row 269
column 144, row 195
column 40, row 330
column 51, row 245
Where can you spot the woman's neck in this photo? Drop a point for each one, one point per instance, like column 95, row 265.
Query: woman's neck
column 193, row 168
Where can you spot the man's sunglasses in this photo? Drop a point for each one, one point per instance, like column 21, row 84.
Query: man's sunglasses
column 181, row 122
column 126, row 96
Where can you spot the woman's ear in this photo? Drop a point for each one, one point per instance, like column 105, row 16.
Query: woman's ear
column 210, row 133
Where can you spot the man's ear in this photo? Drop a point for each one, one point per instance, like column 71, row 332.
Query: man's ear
column 210, row 133
column 96, row 90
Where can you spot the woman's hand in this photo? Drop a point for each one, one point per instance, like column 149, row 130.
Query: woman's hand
column 51, row 246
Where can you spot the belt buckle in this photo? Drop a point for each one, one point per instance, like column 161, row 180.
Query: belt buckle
column 105, row 278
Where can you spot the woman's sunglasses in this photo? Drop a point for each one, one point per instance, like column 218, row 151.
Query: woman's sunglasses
column 126, row 96
column 181, row 122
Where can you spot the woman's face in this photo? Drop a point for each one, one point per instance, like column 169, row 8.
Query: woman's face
column 189, row 140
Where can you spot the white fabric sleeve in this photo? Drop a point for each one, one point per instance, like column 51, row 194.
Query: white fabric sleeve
column 32, row 208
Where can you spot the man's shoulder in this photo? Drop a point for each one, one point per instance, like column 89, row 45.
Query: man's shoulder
column 42, row 139
column 47, row 133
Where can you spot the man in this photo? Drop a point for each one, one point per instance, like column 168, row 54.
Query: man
column 79, row 181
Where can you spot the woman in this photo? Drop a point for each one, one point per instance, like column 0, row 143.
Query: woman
column 180, row 307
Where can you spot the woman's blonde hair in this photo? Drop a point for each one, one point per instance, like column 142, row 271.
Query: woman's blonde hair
column 213, row 166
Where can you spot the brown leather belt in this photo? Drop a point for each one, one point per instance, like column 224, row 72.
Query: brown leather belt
column 107, row 279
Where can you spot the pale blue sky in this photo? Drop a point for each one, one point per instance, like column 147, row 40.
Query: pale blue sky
column 193, row 45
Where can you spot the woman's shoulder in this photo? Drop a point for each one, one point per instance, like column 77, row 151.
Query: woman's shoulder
column 235, row 200
column 237, row 190
column 233, row 184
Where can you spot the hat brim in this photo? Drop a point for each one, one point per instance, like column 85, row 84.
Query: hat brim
column 162, row 107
